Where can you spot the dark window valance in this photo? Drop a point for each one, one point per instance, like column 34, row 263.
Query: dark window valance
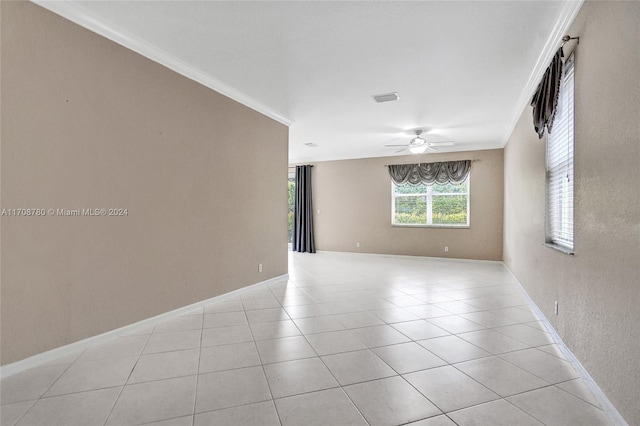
column 430, row 173
column 545, row 100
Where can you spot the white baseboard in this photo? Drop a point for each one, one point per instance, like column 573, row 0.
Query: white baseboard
column 606, row 405
column 413, row 257
column 53, row 354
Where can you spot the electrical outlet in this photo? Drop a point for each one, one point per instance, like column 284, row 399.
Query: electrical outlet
column 555, row 308
column 259, row 267
column 318, row 211
column 357, row 244
column 446, row 249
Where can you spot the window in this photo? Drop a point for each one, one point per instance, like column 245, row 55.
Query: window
column 559, row 173
column 430, row 205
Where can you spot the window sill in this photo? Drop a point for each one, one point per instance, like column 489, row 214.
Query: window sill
column 561, row 249
column 406, row 225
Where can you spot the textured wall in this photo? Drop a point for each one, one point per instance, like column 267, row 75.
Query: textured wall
column 354, row 198
column 598, row 289
column 89, row 124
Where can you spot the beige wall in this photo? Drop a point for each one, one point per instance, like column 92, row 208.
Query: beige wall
column 598, row 289
column 89, row 124
column 354, row 198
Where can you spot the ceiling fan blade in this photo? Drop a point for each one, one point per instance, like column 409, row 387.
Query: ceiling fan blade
column 403, row 149
column 404, row 144
column 444, row 143
column 430, row 148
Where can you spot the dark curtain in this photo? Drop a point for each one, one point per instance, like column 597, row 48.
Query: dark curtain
column 303, row 212
column 545, row 100
column 430, row 173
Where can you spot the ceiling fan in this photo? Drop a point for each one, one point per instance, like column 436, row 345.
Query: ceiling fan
column 419, row 145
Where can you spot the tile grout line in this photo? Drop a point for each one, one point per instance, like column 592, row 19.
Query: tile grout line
column 47, row 390
column 364, row 292
column 264, row 373
column 332, row 375
column 577, row 396
column 41, row 359
column 448, row 364
column 607, row 406
column 532, row 373
column 412, row 340
column 195, row 394
column 125, row 382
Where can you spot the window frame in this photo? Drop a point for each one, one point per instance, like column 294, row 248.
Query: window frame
column 559, row 162
column 428, row 194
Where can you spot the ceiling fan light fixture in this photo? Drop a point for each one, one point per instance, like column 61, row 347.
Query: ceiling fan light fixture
column 418, row 149
column 420, row 145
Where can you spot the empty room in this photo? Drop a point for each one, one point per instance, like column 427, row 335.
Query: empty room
column 458, row 242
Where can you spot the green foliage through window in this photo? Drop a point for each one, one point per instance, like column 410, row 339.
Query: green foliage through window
column 431, row 205
column 449, row 209
column 292, row 200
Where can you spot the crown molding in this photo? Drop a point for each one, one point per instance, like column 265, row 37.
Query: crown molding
column 563, row 23
column 86, row 19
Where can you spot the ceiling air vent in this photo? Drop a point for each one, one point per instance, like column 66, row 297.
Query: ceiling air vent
column 386, row 97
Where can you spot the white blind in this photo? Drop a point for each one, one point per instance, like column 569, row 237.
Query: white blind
column 560, row 166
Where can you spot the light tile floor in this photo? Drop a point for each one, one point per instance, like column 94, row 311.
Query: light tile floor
column 349, row 339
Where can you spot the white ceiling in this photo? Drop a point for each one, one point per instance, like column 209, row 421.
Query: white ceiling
column 464, row 70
